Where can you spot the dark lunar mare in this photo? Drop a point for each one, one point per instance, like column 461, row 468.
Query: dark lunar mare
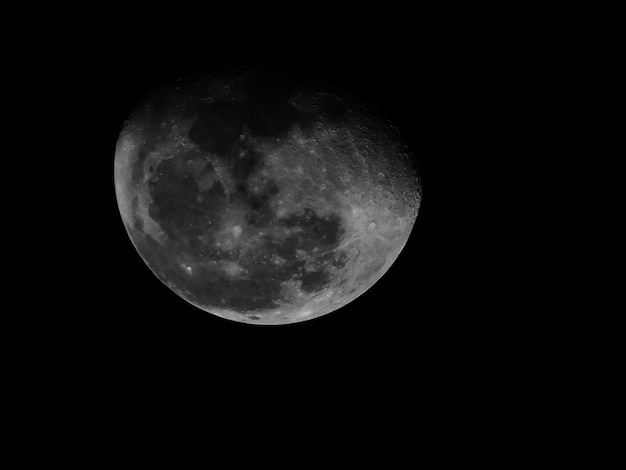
column 217, row 127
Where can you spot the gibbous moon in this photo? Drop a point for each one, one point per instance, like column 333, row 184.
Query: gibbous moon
column 262, row 198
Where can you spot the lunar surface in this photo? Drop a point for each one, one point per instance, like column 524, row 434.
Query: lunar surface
column 262, row 198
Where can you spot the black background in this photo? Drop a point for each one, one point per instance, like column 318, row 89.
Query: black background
column 440, row 305
column 439, row 346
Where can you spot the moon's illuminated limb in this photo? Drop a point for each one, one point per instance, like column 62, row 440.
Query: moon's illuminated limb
column 124, row 154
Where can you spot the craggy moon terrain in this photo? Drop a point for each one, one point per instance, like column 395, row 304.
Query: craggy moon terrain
column 263, row 199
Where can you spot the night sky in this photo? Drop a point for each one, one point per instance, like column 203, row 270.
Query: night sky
column 440, row 298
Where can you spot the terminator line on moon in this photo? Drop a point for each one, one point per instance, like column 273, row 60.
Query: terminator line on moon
column 263, row 199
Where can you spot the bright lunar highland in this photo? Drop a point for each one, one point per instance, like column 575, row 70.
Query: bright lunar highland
column 263, row 198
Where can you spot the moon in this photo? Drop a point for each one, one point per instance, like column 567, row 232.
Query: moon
column 262, row 197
